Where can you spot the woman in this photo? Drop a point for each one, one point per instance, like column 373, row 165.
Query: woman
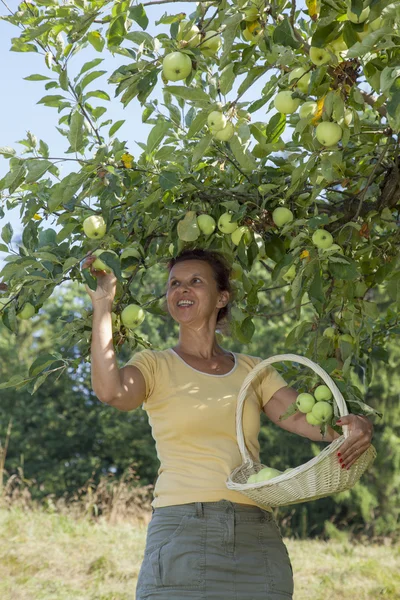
column 203, row 541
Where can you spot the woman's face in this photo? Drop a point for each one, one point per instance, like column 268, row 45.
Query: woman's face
column 194, row 280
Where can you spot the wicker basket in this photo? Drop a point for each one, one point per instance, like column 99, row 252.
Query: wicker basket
column 319, row 477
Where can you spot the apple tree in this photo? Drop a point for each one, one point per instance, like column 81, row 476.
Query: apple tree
column 273, row 138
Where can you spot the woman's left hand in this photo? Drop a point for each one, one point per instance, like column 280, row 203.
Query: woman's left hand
column 360, row 431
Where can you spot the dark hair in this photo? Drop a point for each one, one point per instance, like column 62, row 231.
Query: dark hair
column 221, row 271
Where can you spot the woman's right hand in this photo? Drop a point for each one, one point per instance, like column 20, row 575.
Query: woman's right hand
column 106, row 283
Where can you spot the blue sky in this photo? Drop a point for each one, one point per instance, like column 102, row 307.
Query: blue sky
column 20, row 111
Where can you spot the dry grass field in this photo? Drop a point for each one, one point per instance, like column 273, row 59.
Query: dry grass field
column 46, row 556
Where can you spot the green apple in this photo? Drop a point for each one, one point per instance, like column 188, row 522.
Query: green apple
column 305, row 402
column 319, row 56
column 281, row 216
column 225, row 225
column 346, row 337
column 268, row 473
column 329, row 332
column 336, row 248
column 216, row 121
column 206, row 224
column 290, row 274
column 188, row 33
column 358, row 18
column 322, row 239
column 237, row 271
column 312, row 420
column 94, row 227
column 132, row 316
column 308, row 109
column 98, row 264
column 328, row 133
column 236, row 236
column 322, row 393
column 176, row 66
column 302, row 84
column 211, row 43
column 252, row 478
column 225, row 134
column 322, row 411
column 27, row 312
column 285, row 104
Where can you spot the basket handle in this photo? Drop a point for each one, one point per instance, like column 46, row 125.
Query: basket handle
column 246, row 456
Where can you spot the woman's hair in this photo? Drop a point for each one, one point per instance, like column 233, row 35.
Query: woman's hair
column 221, row 270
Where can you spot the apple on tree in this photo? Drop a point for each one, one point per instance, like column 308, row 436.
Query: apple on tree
column 94, row 227
column 188, row 33
column 290, row 274
column 285, row 104
column 225, row 225
column 176, row 66
column 211, row 43
column 216, row 121
column 27, row 311
column 303, row 79
column 225, row 134
column 132, row 316
column 206, row 224
column 319, row 56
column 322, row 239
column 98, row 264
column 328, row 133
column 329, row 332
column 281, row 216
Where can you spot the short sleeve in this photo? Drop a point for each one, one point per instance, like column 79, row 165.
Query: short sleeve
column 146, row 362
column 267, row 382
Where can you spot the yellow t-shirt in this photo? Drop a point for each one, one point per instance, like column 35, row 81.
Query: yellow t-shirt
column 193, row 421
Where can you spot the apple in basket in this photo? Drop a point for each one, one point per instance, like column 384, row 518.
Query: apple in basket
column 264, row 475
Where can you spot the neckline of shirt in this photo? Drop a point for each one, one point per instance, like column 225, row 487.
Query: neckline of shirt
column 209, row 374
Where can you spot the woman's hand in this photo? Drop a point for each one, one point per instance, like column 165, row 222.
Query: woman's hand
column 360, row 431
column 106, row 283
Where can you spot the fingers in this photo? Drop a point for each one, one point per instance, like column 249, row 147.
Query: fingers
column 86, row 263
column 349, row 455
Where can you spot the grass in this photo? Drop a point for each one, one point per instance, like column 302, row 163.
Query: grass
column 45, row 556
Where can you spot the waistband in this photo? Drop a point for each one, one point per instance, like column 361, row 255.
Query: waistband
column 222, row 507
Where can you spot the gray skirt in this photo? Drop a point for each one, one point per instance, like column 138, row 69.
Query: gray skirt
column 214, row 551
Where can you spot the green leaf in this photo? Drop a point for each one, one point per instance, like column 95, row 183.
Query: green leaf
column 284, row 35
column 91, row 77
column 41, row 363
column 229, row 35
column 11, row 382
column 193, row 94
column 97, row 41
column 7, row 233
column 200, row 149
column 7, row 152
column 97, row 94
column 227, row 79
column 75, row 134
column 36, row 78
column 36, row 168
column 88, row 66
column 116, row 31
column 198, row 123
column 247, row 329
column 245, row 160
column 138, row 14
column 254, row 74
column 114, row 128
column 169, row 179
column 52, row 100
column 14, row 178
column 157, row 134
